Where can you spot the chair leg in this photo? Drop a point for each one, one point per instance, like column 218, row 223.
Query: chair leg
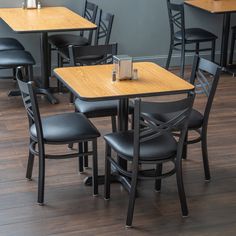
column 41, row 179
column 14, row 73
column 107, row 173
column 30, row 165
column 158, row 173
column 86, row 157
column 95, row 169
column 113, row 124
column 81, row 159
column 231, row 55
column 180, row 186
column 49, row 59
column 182, row 60
column 197, row 48
column 132, row 197
column 169, row 55
column 185, row 147
column 213, row 51
column 205, row 157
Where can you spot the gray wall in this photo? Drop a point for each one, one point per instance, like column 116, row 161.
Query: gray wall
column 140, row 26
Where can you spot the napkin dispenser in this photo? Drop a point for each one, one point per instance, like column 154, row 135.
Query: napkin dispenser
column 123, row 66
column 31, row 4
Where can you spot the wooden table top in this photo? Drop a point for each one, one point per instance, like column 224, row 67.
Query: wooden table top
column 46, row 19
column 214, row 6
column 95, row 82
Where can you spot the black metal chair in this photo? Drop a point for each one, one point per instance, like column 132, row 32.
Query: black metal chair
column 151, row 142
column 64, row 40
column 10, row 44
column 205, row 76
column 11, row 59
column 233, row 39
column 94, row 109
column 180, row 36
column 55, row 130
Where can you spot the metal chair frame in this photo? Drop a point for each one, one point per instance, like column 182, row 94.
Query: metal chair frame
column 177, row 23
column 37, row 145
column 145, row 129
column 203, row 71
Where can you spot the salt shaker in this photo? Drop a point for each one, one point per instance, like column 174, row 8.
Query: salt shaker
column 39, row 6
column 135, row 74
column 113, row 75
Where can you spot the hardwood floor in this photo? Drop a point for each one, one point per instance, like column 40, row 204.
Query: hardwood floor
column 70, row 208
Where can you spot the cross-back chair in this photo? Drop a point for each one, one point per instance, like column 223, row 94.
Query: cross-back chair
column 180, row 36
column 55, row 130
column 151, row 142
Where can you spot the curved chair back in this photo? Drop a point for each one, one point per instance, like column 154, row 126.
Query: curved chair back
column 147, row 127
column 176, row 18
column 104, row 27
column 90, row 13
column 78, row 54
column 28, row 93
column 205, row 76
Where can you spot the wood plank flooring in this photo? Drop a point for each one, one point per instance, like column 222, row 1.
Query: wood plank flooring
column 70, row 208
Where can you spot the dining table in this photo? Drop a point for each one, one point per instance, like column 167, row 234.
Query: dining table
column 44, row 21
column 94, row 83
column 225, row 8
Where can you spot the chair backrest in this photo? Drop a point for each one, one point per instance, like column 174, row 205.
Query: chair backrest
column 148, row 127
column 78, row 54
column 90, row 13
column 28, row 93
column 104, row 27
column 176, row 18
column 205, row 76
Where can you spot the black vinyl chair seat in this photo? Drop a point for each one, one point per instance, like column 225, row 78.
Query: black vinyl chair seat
column 10, row 44
column 14, row 58
column 64, row 40
column 160, row 148
column 196, row 34
column 55, row 130
column 97, row 108
column 195, row 119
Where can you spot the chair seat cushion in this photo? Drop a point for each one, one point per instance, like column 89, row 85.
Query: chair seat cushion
column 10, row 44
column 196, row 34
column 64, row 40
column 195, row 120
column 97, row 108
column 160, row 148
column 66, row 128
column 14, row 58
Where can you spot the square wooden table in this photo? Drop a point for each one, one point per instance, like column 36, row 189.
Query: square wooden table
column 94, row 83
column 44, row 20
column 225, row 7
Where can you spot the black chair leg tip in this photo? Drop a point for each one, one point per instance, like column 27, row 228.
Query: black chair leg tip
column 185, row 216
column 157, row 191
column 106, row 199
column 128, row 226
column 207, row 180
column 40, row 203
column 95, row 195
column 81, row 172
column 29, row 179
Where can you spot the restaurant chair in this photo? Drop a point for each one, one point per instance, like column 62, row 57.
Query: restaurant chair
column 233, row 39
column 151, row 142
column 93, row 109
column 10, row 44
column 57, row 129
column 57, row 41
column 205, row 76
column 180, row 36
column 11, row 59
